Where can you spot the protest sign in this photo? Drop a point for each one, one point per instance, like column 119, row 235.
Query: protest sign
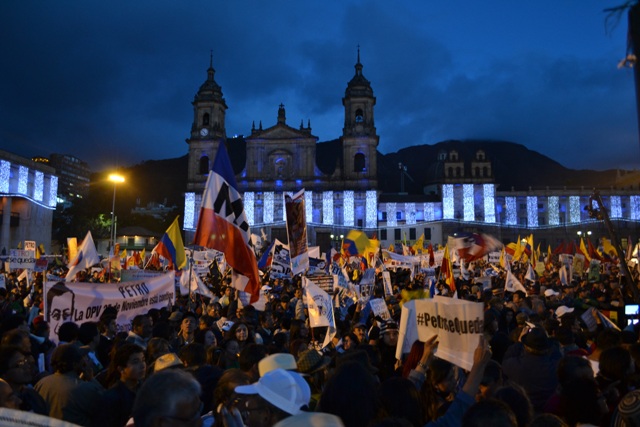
column 379, row 308
column 280, row 265
column 458, row 324
column 297, row 232
column 386, row 280
column 22, row 259
column 85, row 302
column 30, row 245
column 326, row 282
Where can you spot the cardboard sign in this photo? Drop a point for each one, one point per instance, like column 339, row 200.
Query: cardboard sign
column 458, row 324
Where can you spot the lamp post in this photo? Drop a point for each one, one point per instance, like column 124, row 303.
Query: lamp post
column 116, row 179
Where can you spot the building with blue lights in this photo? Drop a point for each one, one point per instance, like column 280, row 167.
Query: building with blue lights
column 29, row 196
column 341, row 178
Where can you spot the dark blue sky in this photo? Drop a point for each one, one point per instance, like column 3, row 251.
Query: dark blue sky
column 112, row 81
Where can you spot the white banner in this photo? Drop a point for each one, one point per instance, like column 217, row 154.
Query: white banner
column 458, row 324
column 22, row 259
column 85, row 302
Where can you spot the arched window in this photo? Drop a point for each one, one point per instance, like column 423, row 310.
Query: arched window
column 204, row 165
column 450, row 174
column 359, row 116
column 458, row 172
column 205, row 119
column 359, row 163
column 477, row 171
column 485, row 171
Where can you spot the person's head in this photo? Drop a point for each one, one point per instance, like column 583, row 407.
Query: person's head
column 68, row 332
column 206, row 337
column 443, row 376
column 275, row 396
column 249, row 358
column 573, row 367
column 214, row 309
column 361, row 332
column 189, row 324
column 240, row 332
column 232, row 349
column 490, row 412
column 141, row 326
column 518, row 401
column 193, row 355
column 582, row 401
column 400, row 398
column 266, row 319
column 8, row 397
column 66, row 358
column 350, row 393
column 492, row 380
column 616, row 364
column 14, row 366
column 230, row 379
column 129, row 362
column 170, row 397
column 108, row 325
column 389, row 333
column 89, row 334
column 350, row 341
column 156, row 347
column 19, row 338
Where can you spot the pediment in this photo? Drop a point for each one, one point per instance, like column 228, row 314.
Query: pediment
column 281, row 131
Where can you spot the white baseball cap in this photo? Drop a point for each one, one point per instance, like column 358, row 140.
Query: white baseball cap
column 550, row 292
column 562, row 310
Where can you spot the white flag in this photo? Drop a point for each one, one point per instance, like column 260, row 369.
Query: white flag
column 531, row 275
column 512, row 284
column 320, row 309
column 86, row 257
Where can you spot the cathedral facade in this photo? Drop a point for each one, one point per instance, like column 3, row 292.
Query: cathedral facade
column 281, row 159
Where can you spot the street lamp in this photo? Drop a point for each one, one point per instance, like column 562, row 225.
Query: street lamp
column 116, row 179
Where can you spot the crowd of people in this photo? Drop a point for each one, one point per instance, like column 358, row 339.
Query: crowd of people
column 549, row 355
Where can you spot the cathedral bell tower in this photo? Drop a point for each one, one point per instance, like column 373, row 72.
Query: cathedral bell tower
column 207, row 130
column 359, row 138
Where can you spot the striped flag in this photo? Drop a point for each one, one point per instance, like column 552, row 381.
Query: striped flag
column 223, row 225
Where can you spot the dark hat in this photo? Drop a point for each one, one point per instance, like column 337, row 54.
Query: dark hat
column 537, row 339
column 388, row 326
column 310, row 361
column 358, row 356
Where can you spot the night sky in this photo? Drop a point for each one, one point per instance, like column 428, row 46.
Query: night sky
column 111, row 82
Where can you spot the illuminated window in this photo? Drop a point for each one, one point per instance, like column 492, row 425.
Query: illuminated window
column 512, row 212
column 616, row 207
column 189, row 211
column 23, row 179
column 308, row 206
column 327, row 207
column 574, row 208
column 468, row 202
column 392, row 220
column 5, row 176
column 489, row 193
column 268, row 207
column 249, row 207
column 372, row 209
column 38, row 186
column 447, row 201
column 349, row 209
column 532, row 211
column 410, row 212
column 554, row 210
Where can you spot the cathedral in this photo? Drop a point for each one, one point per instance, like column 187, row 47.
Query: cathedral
column 282, row 159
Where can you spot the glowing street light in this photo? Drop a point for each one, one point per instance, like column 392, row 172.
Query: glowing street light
column 116, row 179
